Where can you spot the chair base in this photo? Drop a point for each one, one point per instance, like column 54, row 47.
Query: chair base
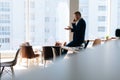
column 30, row 61
column 12, row 71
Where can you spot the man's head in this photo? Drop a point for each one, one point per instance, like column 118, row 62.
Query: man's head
column 77, row 15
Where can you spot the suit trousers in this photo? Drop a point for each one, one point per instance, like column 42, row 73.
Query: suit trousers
column 71, row 44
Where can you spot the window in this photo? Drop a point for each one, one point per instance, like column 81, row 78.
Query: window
column 101, row 29
column 32, row 28
column 32, row 17
column 101, row 18
column 102, row 8
column 32, row 4
column 4, row 21
column 40, row 23
column 47, row 19
column 7, row 40
column 4, row 40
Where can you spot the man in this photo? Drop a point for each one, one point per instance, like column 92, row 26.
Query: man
column 78, row 29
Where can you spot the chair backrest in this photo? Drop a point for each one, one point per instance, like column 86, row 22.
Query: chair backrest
column 117, row 33
column 59, row 44
column 97, row 42
column 57, row 50
column 16, row 56
column 47, row 52
column 27, row 52
column 86, row 44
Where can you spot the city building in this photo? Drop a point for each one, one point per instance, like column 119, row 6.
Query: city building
column 5, row 22
column 35, row 21
column 101, row 17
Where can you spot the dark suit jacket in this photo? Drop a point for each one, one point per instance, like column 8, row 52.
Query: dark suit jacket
column 79, row 31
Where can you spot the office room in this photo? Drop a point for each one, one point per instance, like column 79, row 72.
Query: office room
column 59, row 39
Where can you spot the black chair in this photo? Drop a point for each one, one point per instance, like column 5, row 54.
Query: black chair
column 117, row 33
column 9, row 64
column 50, row 53
column 86, row 43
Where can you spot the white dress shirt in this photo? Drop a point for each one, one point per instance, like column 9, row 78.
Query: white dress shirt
column 77, row 22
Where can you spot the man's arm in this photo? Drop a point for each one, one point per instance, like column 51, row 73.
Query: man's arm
column 74, row 27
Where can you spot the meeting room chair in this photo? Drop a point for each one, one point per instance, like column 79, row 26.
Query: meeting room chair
column 60, row 44
column 50, row 53
column 97, row 42
column 10, row 64
column 86, row 43
column 117, row 33
column 28, row 53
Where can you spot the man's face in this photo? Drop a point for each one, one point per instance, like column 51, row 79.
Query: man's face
column 76, row 17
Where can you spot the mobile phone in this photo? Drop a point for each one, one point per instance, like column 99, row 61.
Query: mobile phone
column 74, row 20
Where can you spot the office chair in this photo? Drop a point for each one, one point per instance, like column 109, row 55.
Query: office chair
column 28, row 53
column 50, row 53
column 117, row 33
column 10, row 64
column 97, row 42
column 86, row 43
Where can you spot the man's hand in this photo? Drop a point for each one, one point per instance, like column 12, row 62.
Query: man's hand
column 69, row 28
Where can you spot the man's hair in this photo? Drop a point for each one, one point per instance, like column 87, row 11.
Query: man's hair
column 77, row 13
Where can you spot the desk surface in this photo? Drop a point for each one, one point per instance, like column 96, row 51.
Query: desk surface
column 99, row 63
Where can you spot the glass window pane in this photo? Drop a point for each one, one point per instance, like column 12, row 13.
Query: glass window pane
column 101, row 29
column 101, row 16
column 101, row 8
column 41, row 22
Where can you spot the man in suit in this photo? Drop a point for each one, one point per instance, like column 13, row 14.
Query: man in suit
column 78, row 29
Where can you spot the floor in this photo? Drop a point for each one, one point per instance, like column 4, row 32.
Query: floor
column 22, row 67
column 19, row 68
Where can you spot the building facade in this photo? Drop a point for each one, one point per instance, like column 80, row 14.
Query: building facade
column 5, row 22
column 102, row 17
column 40, row 22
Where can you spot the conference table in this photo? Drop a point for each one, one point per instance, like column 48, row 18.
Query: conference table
column 98, row 63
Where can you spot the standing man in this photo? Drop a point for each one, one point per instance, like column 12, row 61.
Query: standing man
column 78, row 29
